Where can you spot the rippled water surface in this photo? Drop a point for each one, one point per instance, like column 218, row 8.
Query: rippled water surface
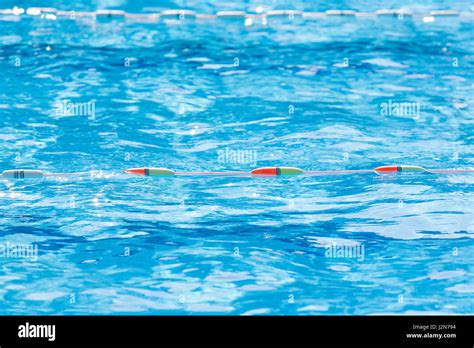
column 185, row 95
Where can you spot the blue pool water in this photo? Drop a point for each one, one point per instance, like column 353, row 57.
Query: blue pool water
column 193, row 96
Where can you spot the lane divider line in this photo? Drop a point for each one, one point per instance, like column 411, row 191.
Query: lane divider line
column 258, row 172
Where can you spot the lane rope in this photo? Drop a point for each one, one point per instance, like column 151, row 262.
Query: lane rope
column 14, row 174
column 53, row 14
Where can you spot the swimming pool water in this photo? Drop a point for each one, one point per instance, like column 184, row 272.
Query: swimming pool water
column 331, row 94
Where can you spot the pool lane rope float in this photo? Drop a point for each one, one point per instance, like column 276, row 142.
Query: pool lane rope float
column 48, row 13
column 259, row 172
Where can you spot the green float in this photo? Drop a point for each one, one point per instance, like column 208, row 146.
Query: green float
column 159, row 172
column 412, row 169
column 289, row 171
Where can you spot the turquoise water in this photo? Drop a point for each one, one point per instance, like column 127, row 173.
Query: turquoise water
column 330, row 94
